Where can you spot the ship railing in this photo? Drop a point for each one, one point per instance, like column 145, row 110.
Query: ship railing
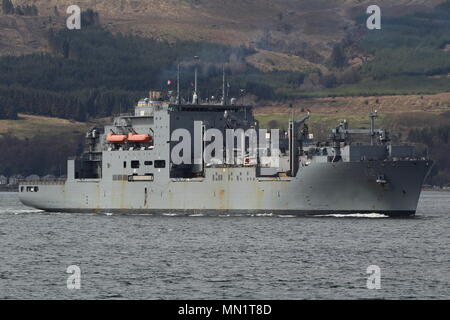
column 123, row 114
column 56, row 181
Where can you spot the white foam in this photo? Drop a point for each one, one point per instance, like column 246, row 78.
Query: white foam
column 355, row 215
column 264, row 214
column 20, row 211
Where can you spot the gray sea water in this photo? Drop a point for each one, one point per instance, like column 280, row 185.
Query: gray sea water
column 247, row 257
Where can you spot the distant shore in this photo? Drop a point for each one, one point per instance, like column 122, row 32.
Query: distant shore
column 16, row 189
column 447, row 189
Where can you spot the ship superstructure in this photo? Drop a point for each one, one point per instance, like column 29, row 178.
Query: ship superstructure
column 128, row 166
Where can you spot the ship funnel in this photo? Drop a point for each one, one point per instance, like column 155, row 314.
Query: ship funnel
column 224, row 91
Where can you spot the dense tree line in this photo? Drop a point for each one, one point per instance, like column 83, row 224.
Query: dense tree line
column 338, row 58
column 7, row 109
column 39, row 155
column 93, row 73
column 90, row 18
column 410, row 45
column 25, row 10
column 77, row 105
column 436, row 140
column 411, row 55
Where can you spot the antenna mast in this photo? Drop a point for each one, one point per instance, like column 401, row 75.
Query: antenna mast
column 373, row 114
column 224, row 94
column 178, row 84
column 195, row 97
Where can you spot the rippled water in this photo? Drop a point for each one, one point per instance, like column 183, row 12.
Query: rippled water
column 224, row 257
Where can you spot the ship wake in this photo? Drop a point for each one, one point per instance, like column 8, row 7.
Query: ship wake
column 19, row 211
column 356, row 215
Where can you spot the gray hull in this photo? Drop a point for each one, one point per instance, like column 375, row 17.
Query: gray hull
column 320, row 188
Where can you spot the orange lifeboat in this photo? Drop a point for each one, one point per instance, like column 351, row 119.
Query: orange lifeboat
column 133, row 137
column 116, row 138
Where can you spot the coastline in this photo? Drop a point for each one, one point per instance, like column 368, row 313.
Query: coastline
column 447, row 189
column 16, row 189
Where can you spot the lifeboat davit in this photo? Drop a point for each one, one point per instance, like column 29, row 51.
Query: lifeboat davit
column 116, row 138
column 133, row 137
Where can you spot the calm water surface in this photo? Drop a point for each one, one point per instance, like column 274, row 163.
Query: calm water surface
column 248, row 257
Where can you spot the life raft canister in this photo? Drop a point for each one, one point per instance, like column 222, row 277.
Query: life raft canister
column 116, row 138
column 133, row 137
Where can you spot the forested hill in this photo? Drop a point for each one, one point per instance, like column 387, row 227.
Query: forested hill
column 93, row 73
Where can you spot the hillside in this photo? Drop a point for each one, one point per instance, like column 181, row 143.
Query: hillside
column 39, row 145
column 398, row 113
column 28, row 126
column 309, row 27
column 287, row 35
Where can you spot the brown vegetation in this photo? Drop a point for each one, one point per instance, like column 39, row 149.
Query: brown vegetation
column 305, row 28
column 437, row 103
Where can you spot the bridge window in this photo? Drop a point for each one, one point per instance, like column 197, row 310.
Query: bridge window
column 135, row 164
column 160, row 164
column 148, row 163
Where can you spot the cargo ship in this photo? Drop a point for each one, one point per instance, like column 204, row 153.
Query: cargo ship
column 129, row 166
